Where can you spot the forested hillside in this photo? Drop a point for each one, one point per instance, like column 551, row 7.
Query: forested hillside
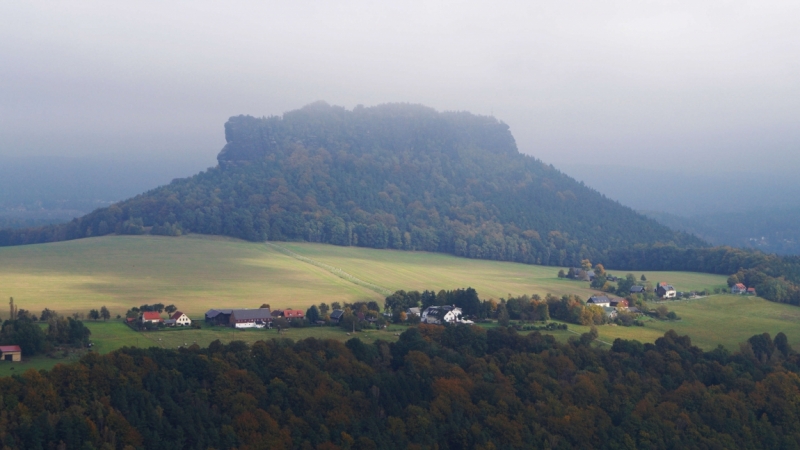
column 438, row 387
column 392, row 176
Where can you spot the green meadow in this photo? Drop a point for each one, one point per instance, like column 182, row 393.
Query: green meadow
column 197, row 273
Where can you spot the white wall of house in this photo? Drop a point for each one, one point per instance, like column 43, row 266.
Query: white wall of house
column 183, row 320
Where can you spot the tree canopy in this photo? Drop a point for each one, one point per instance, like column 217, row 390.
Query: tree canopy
column 446, row 387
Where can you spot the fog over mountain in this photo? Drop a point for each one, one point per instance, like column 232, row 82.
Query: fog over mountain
column 672, row 85
column 654, row 90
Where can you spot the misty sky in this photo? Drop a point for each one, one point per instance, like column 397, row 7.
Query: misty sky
column 709, row 86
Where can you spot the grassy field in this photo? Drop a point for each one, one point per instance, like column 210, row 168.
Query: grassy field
column 114, row 334
column 720, row 319
column 197, row 273
column 394, row 269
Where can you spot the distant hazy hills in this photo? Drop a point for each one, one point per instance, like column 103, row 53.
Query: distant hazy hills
column 733, row 207
column 392, row 176
column 768, row 230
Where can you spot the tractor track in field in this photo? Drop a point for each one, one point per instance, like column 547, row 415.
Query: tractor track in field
column 334, row 270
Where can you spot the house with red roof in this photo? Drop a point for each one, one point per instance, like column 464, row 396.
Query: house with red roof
column 738, row 288
column 151, row 317
column 751, row 291
column 10, row 353
column 293, row 314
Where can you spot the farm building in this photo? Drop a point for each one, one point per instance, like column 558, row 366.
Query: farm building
column 619, row 303
column 11, row 353
column 738, row 288
column 336, row 315
column 665, row 290
column 441, row 314
column 293, row 314
column 218, row 316
column 151, row 317
column 637, row 289
column 599, row 300
column 181, row 319
column 250, row 318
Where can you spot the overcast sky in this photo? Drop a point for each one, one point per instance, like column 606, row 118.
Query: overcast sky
column 677, row 84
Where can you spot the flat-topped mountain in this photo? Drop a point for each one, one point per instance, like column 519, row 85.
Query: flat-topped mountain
column 392, row 176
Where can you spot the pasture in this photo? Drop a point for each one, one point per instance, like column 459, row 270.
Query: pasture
column 197, row 273
column 726, row 320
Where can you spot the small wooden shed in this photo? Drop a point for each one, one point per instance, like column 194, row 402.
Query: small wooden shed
column 10, row 353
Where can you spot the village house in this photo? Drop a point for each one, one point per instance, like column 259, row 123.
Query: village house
column 250, row 318
column 415, row 311
column 151, row 317
column 336, row 315
column 181, row 319
column 637, row 290
column 599, row 300
column 619, row 303
column 293, row 314
column 738, row 288
column 441, row 314
column 664, row 290
column 751, row 291
column 10, row 353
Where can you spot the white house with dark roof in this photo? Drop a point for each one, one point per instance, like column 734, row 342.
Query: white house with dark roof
column 441, row 314
column 181, row 319
column 665, row 290
column 599, row 300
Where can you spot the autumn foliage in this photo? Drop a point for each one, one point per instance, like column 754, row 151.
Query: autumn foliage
column 437, row 387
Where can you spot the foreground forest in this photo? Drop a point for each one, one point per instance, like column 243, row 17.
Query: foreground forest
column 446, row 387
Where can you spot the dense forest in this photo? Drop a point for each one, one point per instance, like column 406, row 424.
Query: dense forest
column 437, row 387
column 393, row 176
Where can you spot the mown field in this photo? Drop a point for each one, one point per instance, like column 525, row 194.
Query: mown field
column 197, row 273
